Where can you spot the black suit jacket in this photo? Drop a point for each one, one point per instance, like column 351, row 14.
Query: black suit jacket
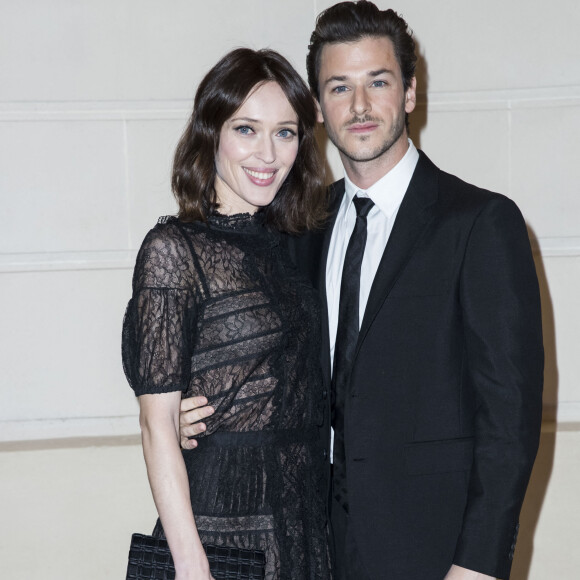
column 443, row 413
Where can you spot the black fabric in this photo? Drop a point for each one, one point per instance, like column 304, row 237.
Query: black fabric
column 347, row 562
column 219, row 310
column 346, row 339
column 150, row 559
column 448, row 368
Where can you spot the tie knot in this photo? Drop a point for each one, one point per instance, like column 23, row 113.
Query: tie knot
column 362, row 205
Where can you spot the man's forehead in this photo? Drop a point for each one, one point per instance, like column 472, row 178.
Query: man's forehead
column 364, row 56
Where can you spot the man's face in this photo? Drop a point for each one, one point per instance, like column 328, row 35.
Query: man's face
column 362, row 100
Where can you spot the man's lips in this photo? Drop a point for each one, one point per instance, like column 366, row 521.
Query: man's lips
column 362, row 127
column 261, row 176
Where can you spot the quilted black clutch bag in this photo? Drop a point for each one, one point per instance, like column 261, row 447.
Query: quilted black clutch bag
column 150, row 559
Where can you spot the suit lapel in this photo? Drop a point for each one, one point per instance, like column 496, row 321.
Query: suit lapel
column 416, row 211
column 336, row 195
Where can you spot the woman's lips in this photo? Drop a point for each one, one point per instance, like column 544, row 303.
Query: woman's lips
column 261, row 176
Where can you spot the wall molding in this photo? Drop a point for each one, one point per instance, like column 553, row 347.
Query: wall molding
column 64, row 261
column 510, row 99
column 95, row 110
column 565, row 416
column 180, row 109
column 69, row 427
column 548, row 247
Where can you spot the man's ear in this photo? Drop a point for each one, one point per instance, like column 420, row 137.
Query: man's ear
column 411, row 96
column 319, row 116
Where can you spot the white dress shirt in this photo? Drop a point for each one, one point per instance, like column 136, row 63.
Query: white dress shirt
column 387, row 195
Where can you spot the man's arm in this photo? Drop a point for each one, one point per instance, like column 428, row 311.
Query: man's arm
column 192, row 412
column 503, row 341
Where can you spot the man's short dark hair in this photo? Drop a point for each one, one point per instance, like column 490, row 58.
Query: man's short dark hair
column 353, row 21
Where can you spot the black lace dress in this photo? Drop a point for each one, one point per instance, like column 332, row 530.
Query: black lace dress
column 218, row 309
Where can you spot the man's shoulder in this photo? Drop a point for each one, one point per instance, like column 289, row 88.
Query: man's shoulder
column 460, row 196
column 455, row 192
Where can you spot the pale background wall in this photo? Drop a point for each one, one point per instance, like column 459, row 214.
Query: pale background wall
column 93, row 96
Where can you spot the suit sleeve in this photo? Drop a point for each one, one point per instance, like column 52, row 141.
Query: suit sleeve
column 503, row 339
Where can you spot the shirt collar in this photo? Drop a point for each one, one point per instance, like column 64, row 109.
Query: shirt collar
column 388, row 192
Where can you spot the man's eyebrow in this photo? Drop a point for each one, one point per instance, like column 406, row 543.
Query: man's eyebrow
column 335, row 78
column 371, row 73
column 381, row 71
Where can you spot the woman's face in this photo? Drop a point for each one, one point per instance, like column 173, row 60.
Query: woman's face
column 258, row 146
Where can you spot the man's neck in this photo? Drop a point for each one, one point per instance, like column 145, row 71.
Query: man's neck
column 364, row 174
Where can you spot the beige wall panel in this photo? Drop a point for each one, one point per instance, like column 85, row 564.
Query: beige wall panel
column 68, row 49
column 135, row 49
column 545, row 168
column 68, row 514
column 151, row 145
column 471, row 144
column 62, row 185
column 60, row 345
column 547, row 547
column 559, row 282
column 177, row 46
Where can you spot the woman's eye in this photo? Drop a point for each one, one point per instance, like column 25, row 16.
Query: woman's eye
column 244, row 130
column 286, row 133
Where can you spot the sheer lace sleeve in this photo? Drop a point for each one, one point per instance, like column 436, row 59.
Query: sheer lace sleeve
column 158, row 321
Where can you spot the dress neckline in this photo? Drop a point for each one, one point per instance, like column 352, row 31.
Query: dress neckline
column 240, row 222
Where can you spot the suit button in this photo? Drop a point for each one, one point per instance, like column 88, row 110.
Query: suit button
column 324, row 453
column 324, row 394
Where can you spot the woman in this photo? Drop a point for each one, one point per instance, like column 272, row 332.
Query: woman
column 219, row 310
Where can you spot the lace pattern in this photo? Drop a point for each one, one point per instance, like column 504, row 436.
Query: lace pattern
column 218, row 309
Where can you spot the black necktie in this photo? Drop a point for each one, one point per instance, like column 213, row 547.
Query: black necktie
column 346, row 338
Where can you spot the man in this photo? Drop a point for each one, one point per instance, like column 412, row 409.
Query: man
column 437, row 380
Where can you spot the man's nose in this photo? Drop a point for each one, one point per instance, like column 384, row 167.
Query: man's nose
column 360, row 101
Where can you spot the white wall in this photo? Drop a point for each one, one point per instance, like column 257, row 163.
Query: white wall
column 93, row 97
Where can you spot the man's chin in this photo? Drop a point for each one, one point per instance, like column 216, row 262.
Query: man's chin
column 363, row 155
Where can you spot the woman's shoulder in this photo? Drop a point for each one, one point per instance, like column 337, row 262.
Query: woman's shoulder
column 170, row 234
column 164, row 253
column 165, row 231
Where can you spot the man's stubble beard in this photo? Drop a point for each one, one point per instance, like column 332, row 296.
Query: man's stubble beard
column 394, row 135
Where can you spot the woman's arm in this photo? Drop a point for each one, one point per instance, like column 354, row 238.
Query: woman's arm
column 159, row 419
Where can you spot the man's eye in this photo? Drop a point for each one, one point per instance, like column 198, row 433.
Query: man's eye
column 379, row 84
column 339, row 89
